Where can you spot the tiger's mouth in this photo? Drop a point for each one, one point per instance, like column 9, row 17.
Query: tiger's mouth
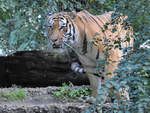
column 55, row 46
column 58, row 46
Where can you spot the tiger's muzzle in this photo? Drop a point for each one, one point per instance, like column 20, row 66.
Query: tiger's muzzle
column 57, row 43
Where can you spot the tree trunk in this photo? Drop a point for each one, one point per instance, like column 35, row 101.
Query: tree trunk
column 38, row 68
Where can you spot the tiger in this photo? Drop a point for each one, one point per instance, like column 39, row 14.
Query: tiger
column 86, row 35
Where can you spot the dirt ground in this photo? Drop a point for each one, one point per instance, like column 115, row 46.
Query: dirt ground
column 39, row 100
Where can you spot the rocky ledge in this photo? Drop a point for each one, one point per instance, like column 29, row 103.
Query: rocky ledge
column 39, row 100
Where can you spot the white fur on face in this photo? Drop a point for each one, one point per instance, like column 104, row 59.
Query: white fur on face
column 50, row 23
column 62, row 22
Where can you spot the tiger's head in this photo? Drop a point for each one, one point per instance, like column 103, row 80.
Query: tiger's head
column 61, row 29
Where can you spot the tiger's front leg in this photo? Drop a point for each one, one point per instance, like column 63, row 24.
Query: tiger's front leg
column 77, row 68
column 95, row 84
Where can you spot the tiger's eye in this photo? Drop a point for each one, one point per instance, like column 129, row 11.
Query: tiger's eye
column 49, row 26
column 50, row 23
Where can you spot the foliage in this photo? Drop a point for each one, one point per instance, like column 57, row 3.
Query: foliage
column 15, row 95
column 67, row 92
column 22, row 26
column 134, row 69
column 22, row 23
column 134, row 74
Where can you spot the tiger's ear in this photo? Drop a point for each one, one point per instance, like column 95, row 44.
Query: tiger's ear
column 73, row 14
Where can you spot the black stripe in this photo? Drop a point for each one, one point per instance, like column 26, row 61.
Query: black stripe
column 95, row 74
column 84, row 48
column 67, row 21
column 70, row 29
column 73, row 37
column 95, row 21
column 81, row 19
column 97, row 55
column 97, row 24
column 72, row 26
column 100, row 74
column 91, row 17
column 84, row 17
column 85, row 12
column 100, row 20
column 73, row 31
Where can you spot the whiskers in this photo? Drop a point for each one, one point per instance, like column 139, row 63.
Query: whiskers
column 69, row 46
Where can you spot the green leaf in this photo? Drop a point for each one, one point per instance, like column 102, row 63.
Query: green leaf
column 23, row 46
column 114, row 30
column 13, row 38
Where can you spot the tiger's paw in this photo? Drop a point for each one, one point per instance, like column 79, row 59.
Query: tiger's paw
column 77, row 68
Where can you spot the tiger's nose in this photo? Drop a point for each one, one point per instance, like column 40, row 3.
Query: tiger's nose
column 54, row 40
column 55, row 43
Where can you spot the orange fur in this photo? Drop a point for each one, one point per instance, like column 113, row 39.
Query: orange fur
column 90, row 28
